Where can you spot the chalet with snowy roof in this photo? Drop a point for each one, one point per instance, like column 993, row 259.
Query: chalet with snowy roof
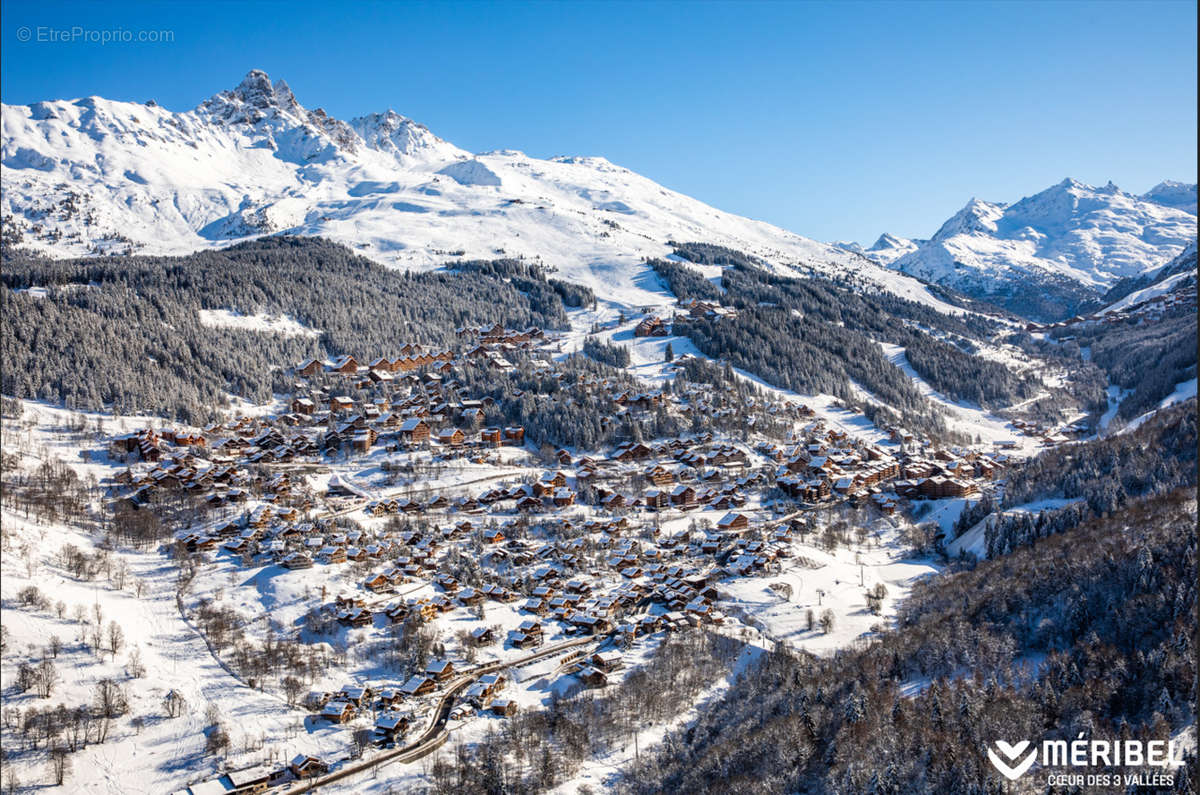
column 358, row 695
column 392, row 724
column 593, row 624
column 418, row 685
column 505, row 707
column 397, row 613
column 309, row 367
column 477, row 695
column 451, row 437
column 660, row 476
column 683, row 497
column 304, row 766
column 338, row 712
column 631, row 452
column 592, row 677
column 297, row 560
column 440, row 670
column 414, row 431
column 528, row 503
column 656, row 499
column 344, row 365
column 733, row 522
column 612, row 501
column 607, row 661
column 651, row 327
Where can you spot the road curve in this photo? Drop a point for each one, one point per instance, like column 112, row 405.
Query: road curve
column 435, row 733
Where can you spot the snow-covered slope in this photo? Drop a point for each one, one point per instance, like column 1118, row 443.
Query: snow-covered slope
column 1170, row 193
column 95, row 176
column 884, row 250
column 1068, row 243
column 1177, row 275
column 889, row 248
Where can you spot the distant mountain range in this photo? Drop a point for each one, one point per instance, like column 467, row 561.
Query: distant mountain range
column 94, row 176
column 1054, row 253
column 1176, row 276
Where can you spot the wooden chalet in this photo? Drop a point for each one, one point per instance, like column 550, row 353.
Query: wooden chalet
column 414, row 431
column 391, row 725
column 304, row 766
column 338, row 712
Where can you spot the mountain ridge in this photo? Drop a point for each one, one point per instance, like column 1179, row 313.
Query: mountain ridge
column 1056, row 252
column 93, row 177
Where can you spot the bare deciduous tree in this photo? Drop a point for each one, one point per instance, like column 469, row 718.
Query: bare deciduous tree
column 135, row 666
column 115, row 638
column 46, row 676
column 60, row 764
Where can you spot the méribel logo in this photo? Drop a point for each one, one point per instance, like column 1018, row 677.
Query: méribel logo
column 1009, row 761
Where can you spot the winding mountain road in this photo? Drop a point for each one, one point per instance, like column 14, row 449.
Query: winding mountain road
column 436, row 733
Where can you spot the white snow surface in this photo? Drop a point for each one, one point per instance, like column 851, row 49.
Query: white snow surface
column 974, row 540
column 100, row 176
column 1181, row 273
column 889, row 248
column 1164, row 287
column 1073, row 231
column 1184, row 390
column 269, row 324
column 960, row 415
column 168, row 753
column 1170, row 193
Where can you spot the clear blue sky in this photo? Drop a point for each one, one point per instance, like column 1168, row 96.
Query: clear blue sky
column 834, row 120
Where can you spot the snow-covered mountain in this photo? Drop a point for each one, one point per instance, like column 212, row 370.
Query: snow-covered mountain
column 1177, row 275
column 1179, row 195
column 1051, row 253
column 884, row 250
column 93, row 176
column 889, row 248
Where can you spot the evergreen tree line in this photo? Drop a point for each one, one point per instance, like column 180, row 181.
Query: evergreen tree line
column 684, row 282
column 564, row 411
column 811, row 335
column 749, row 403
column 1086, row 384
column 811, row 357
column 1148, row 359
column 1102, row 475
column 574, row 408
column 123, row 333
column 532, row 279
column 606, row 352
column 1092, row 632
column 712, row 254
column 947, row 364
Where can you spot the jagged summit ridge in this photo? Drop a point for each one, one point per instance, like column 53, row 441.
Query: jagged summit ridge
column 1059, row 248
column 396, row 134
column 95, row 176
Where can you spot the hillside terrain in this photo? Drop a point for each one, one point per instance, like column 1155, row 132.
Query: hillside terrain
column 92, row 176
column 337, row 457
column 1053, row 254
